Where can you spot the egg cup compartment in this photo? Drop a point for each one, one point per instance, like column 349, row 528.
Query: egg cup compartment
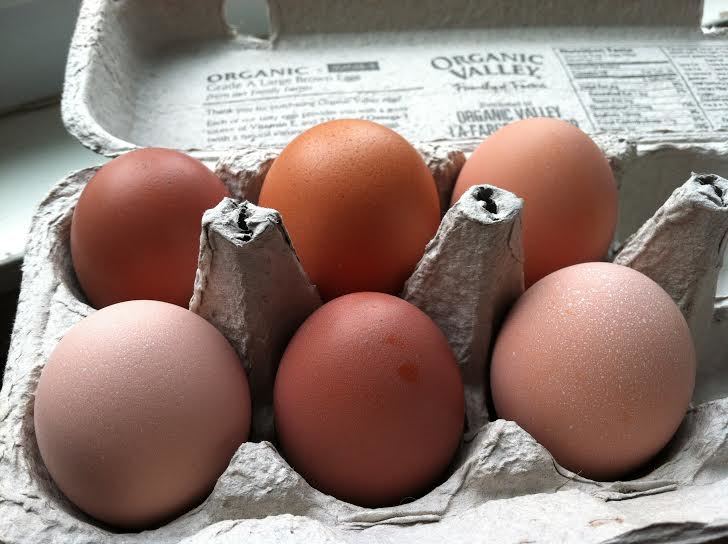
column 499, row 468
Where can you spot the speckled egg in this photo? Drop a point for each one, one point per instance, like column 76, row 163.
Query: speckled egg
column 597, row 363
column 369, row 400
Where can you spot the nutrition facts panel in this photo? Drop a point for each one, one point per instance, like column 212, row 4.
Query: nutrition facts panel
column 705, row 67
column 649, row 88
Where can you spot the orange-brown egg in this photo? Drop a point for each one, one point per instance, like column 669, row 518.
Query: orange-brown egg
column 369, row 400
column 569, row 191
column 139, row 410
column 358, row 202
column 136, row 228
column 597, row 363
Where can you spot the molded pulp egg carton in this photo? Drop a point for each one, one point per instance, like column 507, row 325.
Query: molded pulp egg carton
column 152, row 73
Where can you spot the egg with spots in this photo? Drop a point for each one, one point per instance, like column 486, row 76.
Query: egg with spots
column 369, row 401
column 597, row 363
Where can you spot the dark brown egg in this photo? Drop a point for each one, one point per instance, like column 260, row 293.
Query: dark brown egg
column 136, row 228
column 369, row 400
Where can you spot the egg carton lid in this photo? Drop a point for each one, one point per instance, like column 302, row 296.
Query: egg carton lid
column 175, row 74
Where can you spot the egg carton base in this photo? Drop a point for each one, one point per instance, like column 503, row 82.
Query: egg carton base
column 503, row 484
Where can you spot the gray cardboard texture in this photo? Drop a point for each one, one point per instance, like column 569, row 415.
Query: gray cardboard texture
column 643, row 82
column 251, row 286
column 478, row 244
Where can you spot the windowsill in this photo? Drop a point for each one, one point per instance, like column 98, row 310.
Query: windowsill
column 35, row 152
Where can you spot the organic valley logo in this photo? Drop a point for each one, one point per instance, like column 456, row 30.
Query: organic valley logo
column 490, row 64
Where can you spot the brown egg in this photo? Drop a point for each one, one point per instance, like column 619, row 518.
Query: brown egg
column 597, row 363
column 368, row 400
column 136, row 228
column 358, row 202
column 139, row 410
column 569, row 192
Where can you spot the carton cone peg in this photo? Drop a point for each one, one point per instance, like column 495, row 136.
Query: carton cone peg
column 470, row 275
column 251, row 286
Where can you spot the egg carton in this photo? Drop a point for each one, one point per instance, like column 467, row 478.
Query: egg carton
column 502, row 485
column 138, row 73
